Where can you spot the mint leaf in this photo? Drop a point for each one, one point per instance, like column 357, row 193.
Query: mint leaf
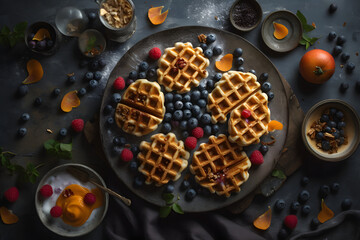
column 301, row 18
column 308, row 28
column 49, row 144
column 303, row 41
column 165, row 211
column 57, row 149
column 278, row 174
column 31, row 173
column 168, row 197
column 20, row 27
column 176, row 207
column 313, row 40
column 307, row 45
column 91, row 43
column 305, row 37
column 67, row 147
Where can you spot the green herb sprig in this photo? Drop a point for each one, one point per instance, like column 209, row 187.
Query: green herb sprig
column 278, row 174
column 58, row 149
column 170, row 204
column 305, row 39
column 10, row 38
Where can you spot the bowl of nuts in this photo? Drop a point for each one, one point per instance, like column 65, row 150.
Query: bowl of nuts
column 330, row 130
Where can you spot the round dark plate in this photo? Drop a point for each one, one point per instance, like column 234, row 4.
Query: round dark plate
column 254, row 59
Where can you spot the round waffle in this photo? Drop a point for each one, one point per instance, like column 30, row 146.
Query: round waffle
column 220, row 166
column 163, row 159
column 182, row 67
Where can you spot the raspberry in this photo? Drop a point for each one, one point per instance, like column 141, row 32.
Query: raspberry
column 126, row 155
column 256, row 157
column 12, row 194
column 46, row 190
column 290, row 221
column 245, row 113
column 89, row 198
column 119, row 84
column 155, row 53
column 56, row 211
column 77, row 125
column 197, row 132
column 190, row 142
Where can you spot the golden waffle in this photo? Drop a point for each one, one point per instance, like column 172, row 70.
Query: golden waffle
column 141, row 109
column 163, row 159
column 220, row 166
column 182, row 67
column 233, row 88
column 247, row 131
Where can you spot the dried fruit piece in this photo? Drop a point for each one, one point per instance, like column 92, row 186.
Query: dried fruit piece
column 70, row 101
column 225, row 63
column 41, row 34
column 325, row 213
column 275, row 125
column 35, row 71
column 7, row 216
column 263, row 221
column 280, row 31
column 155, row 15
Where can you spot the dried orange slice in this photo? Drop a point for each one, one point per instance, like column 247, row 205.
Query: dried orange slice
column 280, row 31
column 263, row 221
column 70, row 101
column 41, row 34
column 225, row 63
column 325, row 213
column 35, row 71
column 7, row 216
column 275, row 125
column 155, row 15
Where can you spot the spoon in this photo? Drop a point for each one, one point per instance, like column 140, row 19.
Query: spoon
column 84, row 177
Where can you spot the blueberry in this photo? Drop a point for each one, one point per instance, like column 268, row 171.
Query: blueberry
column 97, row 75
column 283, row 234
column 263, row 149
column 238, row 52
column 336, row 134
column 264, row 77
column 169, row 97
column 325, row 145
column 56, row 92
column 185, row 134
column 188, row 105
column 202, row 103
column 134, row 149
column 314, row 224
column 217, row 76
column 143, row 66
column 324, row 191
column 265, row 87
column 92, row 16
column 340, row 40
column 204, row 94
column 295, row 206
column 207, row 130
column 327, row 129
column 133, row 75
column 108, row 109
column 217, row 50
column 205, row 119
column 239, row 61
column 167, row 127
column 350, row 67
column 102, row 63
column 116, row 97
column 119, row 141
column 253, row 71
column 192, row 123
column 151, row 72
column 210, row 84
column 88, row 76
column 38, row 101
column 21, row 132
column 22, row 90
column 178, row 105
column 195, row 110
column 345, row 57
column 183, row 125
column 93, row 84
column 305, row 181
column 203, row 46
column 186, row 98
column 331, row 124
column 270, row 95
column 303, row 196
column 214, row 129
column 339, row 115
column 335, row 187
column 341, row 125
column 332, row 8
column 324, row 118
column 210, row 38
column 169, row 188
column 94, row 65
column 41, row 45
column 32, row 44
column 190, row 194
column 177, row 97
column 81, row 92
column 71, row 79
column 178, row 115
column 198, row 116
column 170, row 107
column 342, row 132
column 341, row 141
column 332, row 111
column 116, row 150
column 139, row 181
column 25, row 117
column 63, row 132
column 142, row 75
column 241, row 69
column 167, row 117
column 332, row 35
column 305, row 210
column 319, row 135
column 344, row 86
column 337, row 50
column 133, row 165
column 346, row 204
column 110, row 121
column 208, row 53
column 184, row 185
column 280, row 204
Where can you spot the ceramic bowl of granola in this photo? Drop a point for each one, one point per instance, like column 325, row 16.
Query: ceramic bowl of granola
column 330, row 130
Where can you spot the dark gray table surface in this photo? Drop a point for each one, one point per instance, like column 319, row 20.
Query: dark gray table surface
column 181, row 13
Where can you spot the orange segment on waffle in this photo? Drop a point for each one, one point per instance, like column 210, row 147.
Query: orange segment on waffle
column 163, row 159
column 182, row 67
column 248, row 131
column 220, row 166
column 141, row 109
column 232, row 89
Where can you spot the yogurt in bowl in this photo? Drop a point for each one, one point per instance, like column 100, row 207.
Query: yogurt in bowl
column 77, row 216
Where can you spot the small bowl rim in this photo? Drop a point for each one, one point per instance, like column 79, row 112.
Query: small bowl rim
column 37, row 206
column 97, row 32
column 47, row 24
column 258, row 9
column 305, row 138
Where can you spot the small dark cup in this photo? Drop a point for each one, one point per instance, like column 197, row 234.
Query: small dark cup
column 254, row 5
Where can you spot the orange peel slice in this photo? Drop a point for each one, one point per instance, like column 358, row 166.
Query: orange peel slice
column 155, row 16
column 35, row 71
column 70, row 101
column 263, row 222
column 7, row 216
column 280, row 31
column 225, row 63
column 41, row 34
column 325, row 213
column 275, row 125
